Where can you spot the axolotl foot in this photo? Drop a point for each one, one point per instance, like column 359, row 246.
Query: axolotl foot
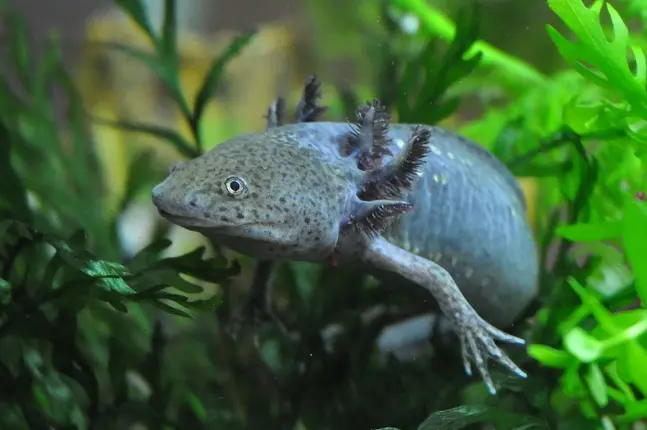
column 477, row 339
column 477, row 336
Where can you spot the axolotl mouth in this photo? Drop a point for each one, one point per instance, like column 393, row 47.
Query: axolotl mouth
column 187, row 222
column 259, row 240
column 250, row 230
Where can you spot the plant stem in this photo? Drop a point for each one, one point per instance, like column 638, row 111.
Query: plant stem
column 438, row 24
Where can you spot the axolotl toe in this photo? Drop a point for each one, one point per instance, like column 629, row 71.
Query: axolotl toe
column 412, row 201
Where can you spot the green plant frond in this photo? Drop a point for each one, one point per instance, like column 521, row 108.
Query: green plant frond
column 597, row 58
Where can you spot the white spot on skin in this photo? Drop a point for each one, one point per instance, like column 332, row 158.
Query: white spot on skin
column 435, row 149
column 400, row 143
column 416, row 251
column 450, row 155
column 443, row 180
column 468, row 273
column 436, row 178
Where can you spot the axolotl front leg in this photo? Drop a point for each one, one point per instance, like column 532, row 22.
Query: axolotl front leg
column 476, row 335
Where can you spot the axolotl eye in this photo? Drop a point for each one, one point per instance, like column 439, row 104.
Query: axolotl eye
column 235, row 186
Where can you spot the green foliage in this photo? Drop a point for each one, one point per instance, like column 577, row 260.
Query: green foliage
column 415, row 93
column 604, row 62
column 93, row 338
column 164, row 63
column 67, row 298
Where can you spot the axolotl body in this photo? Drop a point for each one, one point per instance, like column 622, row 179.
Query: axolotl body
column 404, row 201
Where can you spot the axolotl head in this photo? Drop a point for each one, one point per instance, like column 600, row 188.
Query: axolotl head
column 268, row 195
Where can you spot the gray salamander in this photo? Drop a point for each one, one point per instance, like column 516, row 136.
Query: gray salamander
column 409, row 202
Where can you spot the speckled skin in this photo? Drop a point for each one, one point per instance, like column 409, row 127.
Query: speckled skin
column 469, row 218
column 299, row 190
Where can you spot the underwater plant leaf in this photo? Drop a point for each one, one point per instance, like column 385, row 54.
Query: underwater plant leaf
column 46, row 71
column 597, row 385
column 168, row 135
column 109, row 275
column 164, row 68
column 590, row 232
column 140, row 174
column 426, row 78
column 68, row 359
column 634, row 232
column 19, row 49
column 192, row 264
column 148, row 255
column 598, row 59
column 171, row 309
column 549, row 356
column 13, row 197
column 582, row 345
column 455, row 418
column 137, row 12
column 214, row 74
column 168, row 41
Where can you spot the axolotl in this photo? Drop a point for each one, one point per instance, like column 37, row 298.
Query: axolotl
column 407, row 202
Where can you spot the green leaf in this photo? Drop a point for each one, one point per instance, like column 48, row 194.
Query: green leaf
column 117, row 368
column 168, row 43
column 634, row 234
column 456, row 418
column 601, row 314
column 631, row 365
column 590, row 232
column 635, row 412
column 583, row 346
column 13, row 197
column 597, row 385
column 46, row 70
column 149, row 254
column 214, row 74
column 170, row 136
column 168, row 277
column 165, row 69
column 596, row 58
column 109, row 275
column 208, row 305
column 139, row 176
column 5, row 291
column 68, row 359
column 171, row 309
column 197, row 406
column 135, row 9
column 192, row 264
column 428, row 76
column 550, row 357
column 19, row 50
